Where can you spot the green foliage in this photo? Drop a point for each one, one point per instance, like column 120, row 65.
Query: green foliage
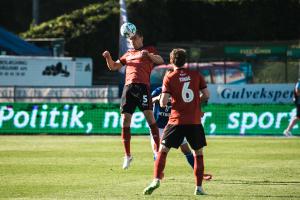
column 89, row 167
column 95, row 28
column 87, row 32
column 80, row 22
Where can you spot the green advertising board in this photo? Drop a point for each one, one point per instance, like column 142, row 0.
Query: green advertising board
column 255, row 51
column 92, row 118
column 293, row 53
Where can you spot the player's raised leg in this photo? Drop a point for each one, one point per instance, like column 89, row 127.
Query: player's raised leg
column 126, row 137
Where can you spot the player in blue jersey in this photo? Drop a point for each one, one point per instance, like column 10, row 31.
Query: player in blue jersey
column 287, row 132
column 161, row 115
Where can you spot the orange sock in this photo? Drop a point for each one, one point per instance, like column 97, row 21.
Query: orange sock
column 198, row 169
column 159, row 165
column 126, row 136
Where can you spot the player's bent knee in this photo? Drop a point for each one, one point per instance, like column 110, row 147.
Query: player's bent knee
column 126, row 119
column 198, row 152
column 163, row 148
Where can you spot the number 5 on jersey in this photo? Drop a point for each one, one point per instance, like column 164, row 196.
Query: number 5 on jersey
column 145, row 99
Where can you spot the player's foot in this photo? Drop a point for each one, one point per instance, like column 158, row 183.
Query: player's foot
column 127, row 161
column 154, row 185
column 207, row 177
column 287, row 133
column 199, row 191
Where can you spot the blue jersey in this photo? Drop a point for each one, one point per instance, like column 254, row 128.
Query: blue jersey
column 297, row 98
column 161, row 115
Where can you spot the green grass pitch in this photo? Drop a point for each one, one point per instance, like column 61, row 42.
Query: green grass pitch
column 89, row 167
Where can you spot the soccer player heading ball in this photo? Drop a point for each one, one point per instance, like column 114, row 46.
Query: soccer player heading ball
column 139, row 63
column 184, row 87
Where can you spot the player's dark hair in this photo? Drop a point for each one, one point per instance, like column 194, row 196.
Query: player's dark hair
column 139, row 33
column 178, row 57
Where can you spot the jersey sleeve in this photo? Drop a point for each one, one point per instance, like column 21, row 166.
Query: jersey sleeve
column 122, row 59
column 156, row 92
column 166, row 85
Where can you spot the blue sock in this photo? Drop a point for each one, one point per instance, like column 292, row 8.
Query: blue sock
column 190, row 158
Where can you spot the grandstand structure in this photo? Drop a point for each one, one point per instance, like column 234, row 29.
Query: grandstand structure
column 209, row 51
column 200, row 51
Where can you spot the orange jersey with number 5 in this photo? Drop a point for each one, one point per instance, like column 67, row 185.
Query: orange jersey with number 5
column 138, row 68
column 184, row 87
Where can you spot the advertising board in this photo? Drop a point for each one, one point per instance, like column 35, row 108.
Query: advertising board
column 92, row 118
column 251, row 93
column 97, row 94
column 45, row 71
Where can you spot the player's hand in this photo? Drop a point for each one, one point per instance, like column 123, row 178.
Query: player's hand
column 202, row 114
column 145, row 53
column 106, row 54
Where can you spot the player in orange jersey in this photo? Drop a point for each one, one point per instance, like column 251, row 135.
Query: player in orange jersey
column 184, row 87
column 139, row 63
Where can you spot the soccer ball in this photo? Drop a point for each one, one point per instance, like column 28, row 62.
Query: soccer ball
column 128, row 30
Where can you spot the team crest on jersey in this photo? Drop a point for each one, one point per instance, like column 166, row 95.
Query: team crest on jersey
column 168, row 108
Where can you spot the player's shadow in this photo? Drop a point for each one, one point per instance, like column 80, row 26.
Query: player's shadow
column 245, row 196
column 255, row 182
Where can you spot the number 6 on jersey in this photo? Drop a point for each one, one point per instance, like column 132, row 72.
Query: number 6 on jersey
column 186, row 93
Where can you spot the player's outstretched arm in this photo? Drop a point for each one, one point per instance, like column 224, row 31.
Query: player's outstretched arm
column 111, row 64
column 157, row 59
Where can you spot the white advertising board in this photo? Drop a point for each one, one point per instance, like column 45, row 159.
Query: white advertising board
column 104, row 94
column 45, row 71
column 251, row 93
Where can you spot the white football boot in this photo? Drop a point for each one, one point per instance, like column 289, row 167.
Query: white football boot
column 127, row 161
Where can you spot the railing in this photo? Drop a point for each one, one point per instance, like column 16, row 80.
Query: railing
column 99, row 94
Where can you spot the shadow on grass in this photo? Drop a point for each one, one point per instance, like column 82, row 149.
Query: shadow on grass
column 263, row 182
column 243, row 196
column 256, row 196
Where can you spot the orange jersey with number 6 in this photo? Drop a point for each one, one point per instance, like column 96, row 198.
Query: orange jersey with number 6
column 184, row 87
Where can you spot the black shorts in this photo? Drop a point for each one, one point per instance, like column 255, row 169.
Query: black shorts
column 135, row 95
column 174, row 135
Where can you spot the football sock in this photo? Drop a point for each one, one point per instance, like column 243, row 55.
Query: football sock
column 159, row 165
column 190, row 158
column 126, row 136
column 199, row 169
column 155, row 135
